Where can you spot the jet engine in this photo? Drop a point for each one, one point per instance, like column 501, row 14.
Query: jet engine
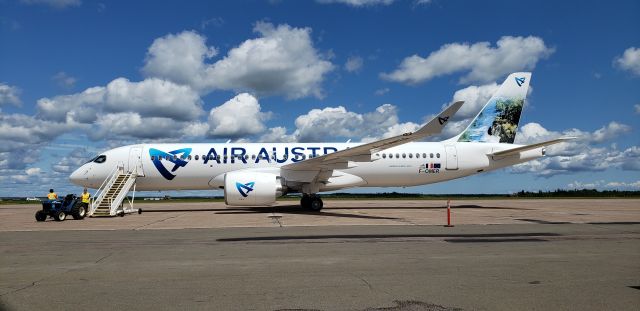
column 246, row 188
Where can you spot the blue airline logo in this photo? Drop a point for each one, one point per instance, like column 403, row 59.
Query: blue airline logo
column 520, row 81
column 244, row 189
column 177, row 157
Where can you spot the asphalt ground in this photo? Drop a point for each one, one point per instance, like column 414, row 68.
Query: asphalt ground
column 589, row 261
column 338, row 213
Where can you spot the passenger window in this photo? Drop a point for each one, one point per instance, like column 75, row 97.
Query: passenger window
column 431, row 155
column 390, row 155
column 410, row 155
column 189, row 157
column 197, row 157
column 438, row 155
column 424, row 155
column 397, row 156
column 153, row 158
column 100, row 159
column 384, row 155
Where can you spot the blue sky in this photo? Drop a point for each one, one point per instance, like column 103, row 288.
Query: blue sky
column 78, row 77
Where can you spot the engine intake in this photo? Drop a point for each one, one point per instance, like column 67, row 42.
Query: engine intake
column 252, row 188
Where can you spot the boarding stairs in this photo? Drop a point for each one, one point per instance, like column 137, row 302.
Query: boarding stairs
column 109, row 198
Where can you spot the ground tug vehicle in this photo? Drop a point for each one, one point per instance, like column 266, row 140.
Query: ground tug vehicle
column 59, row 209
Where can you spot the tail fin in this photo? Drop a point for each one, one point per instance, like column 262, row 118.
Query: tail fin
column 498, row 119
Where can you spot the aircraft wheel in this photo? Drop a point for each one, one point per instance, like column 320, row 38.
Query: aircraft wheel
column 316, row 204
column 305, row 201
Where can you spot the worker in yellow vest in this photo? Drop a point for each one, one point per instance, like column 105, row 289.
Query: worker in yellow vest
column 86, row 199
column 52, row 195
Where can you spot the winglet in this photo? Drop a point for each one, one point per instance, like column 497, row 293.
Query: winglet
column 436, row 124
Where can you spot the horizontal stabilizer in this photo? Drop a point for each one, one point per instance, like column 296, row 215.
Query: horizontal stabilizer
column 517, row 150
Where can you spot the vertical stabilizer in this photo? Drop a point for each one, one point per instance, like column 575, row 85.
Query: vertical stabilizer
column 498, row 119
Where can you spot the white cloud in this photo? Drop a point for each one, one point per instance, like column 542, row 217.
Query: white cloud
column 483, row 62
column 58, row 4
column 422, row 2
column 629, row 61
column 318, row 124
column 9, row 95
column 636, row 108
column 474, row 97
column 18, row 130
column 277, row 135
column 149, row 109
column 153, row 98
column 75, row 108
column 33, row 171
column 180, row 58
column 238, row 117
column 70, row 162
column 282, row 61
column 353, row 64
column 582, row 154
column 132, row 124
column 382, row 91
column 610, row 132
column 22, row 138
column 150, row 98
column 601, row 184
column 214, row 21
column 358, row 3
column 64, row 80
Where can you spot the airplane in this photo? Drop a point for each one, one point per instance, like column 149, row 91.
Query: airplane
column 255, row 174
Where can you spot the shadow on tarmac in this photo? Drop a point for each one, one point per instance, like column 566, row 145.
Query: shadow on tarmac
column 456, row 237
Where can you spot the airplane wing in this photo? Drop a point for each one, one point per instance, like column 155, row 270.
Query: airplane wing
column 364, row 152
column 517, row 150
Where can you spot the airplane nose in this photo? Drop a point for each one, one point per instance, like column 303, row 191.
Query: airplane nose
column 76, row 177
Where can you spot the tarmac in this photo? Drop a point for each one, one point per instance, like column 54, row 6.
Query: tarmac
column 565, row 254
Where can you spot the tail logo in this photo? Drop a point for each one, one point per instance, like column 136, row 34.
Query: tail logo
column 442, row 120
column 244, row 189
column 520, row 81
column 172, row 156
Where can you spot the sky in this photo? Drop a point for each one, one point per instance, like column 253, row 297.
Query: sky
column 78, row 77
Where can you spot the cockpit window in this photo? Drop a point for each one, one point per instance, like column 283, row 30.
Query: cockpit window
column 100, row 159
column 92, row 159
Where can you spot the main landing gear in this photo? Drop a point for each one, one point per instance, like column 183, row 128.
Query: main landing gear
column 311, row 201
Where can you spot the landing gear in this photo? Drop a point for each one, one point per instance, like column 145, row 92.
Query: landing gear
column 312, row 202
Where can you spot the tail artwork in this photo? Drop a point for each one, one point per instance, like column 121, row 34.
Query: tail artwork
column 498, row 119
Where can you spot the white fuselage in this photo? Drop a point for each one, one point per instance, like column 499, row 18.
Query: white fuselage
column 204, row 167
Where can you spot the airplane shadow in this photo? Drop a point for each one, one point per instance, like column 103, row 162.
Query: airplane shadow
column 297, row 210
column 456, row 237
column 282, row 209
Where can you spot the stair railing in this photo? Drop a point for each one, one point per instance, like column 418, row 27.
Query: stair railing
column 106, row 184
column 121, row 193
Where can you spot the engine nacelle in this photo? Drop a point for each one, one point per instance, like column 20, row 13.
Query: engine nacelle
column 252, row 188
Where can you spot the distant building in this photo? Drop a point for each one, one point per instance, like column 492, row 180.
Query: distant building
column 33, row 199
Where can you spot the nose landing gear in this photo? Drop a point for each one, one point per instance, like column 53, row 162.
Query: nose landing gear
column 312, row 202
